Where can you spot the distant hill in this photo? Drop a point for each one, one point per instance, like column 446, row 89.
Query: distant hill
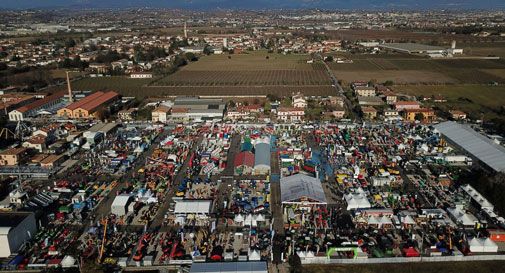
column 260, row 4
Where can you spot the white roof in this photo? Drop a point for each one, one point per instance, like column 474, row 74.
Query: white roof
column 476, row 144
column 192, row 206
column 121, row 200
column 298, row 186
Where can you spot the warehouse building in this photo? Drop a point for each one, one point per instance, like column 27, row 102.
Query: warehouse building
column 482, row 149
column 262, row 158
column 197, row 109
column 413, row 48
column 16, row 228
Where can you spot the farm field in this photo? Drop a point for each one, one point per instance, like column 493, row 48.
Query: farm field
column 476, row 99
column 446, row 267
column 397, row 76
column 425, row 71
column 234, row 78
column 139, row 88
column 250, row 61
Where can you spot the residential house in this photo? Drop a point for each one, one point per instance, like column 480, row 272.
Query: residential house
column 364, row 91
column 456, row 114
column 337, row 100
column 338, row 113
column 390, row 97
column 427, row 113
column 369, row 112
column 13, row 156
column 299, row 101
column 403, row 105
column 36, row 142
column 160, row 114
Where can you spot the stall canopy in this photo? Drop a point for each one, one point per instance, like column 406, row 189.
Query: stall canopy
column 298, row 187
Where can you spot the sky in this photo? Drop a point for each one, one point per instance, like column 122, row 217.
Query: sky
column 260, row 4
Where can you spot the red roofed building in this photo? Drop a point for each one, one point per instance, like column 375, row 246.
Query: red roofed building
column 244, row 162
column 33, row 108
column 88, row 106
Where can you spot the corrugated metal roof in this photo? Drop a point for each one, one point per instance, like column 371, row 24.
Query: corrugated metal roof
column 476, row 144
column 229, row 267
column 298, row 186
column 262, row 154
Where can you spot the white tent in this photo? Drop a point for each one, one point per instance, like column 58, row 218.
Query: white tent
column 372, row 220
column 489, row 245
column 238, row 219
column 385, row 221
column 476, row 245
column 254, row 256
column 408, row 220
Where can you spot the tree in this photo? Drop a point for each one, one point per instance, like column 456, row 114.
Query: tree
column 389, row 83
column 191, row 57
column 329, row 59
column 286, row 102
column 295, row 263
column 207, row 50
column 272, row 97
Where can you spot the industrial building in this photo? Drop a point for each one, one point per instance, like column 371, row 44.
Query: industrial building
column 197, row 109
column 478, row 146
column 32, row 109
column 414, row 48
column 88, row 106
column 15, row 229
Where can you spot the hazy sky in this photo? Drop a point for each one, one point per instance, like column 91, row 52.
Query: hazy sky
column 259, row 4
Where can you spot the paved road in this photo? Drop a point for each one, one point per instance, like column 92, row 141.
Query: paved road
column 338, row 87
column 158, row 219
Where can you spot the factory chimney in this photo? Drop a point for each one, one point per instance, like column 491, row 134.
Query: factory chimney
column 185, row 30
column 70, row 96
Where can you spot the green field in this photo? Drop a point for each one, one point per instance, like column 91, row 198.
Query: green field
column 476, row 99
column 442, row 267
column 417, row 70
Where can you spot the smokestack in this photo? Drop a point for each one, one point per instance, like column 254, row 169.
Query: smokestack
column 70, row 97
column 453, row 44
column 185, row 30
